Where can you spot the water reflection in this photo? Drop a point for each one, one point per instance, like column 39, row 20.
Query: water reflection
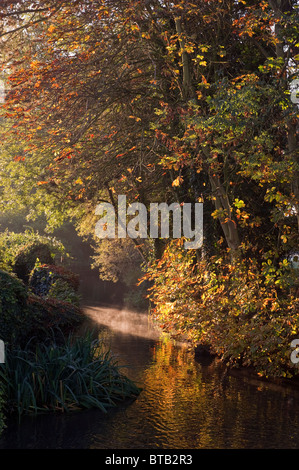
column 184, row 403
column 198, row 405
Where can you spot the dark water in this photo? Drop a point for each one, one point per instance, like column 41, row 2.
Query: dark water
column 185, row 404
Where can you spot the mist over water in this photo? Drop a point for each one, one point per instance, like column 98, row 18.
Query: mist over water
column 123, row 320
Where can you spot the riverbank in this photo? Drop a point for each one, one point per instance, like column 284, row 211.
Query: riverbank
column 202, row 351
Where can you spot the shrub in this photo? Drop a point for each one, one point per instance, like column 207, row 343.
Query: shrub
column 23, row 315
column 40, row 280
column 43, row 277
column 13, row 308
column 47, row 314
column 77, row 374
column 61, row 290
column 27, row 257
column 246, row 312
column 15, row 246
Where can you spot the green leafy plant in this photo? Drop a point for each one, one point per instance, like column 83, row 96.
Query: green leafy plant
column 50, row 281
column 23, row 315
column 19, row 251
column 60, row 289
column 77, row 374
column 13, row 307
column 43, row 276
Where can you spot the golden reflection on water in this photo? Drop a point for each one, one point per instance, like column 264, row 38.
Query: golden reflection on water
column 200, row 406
column 181, row 398
column 187, row 403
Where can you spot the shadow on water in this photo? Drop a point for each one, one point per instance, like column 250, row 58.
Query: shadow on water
column 185, row 403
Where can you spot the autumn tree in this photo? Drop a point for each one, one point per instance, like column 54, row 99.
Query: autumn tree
column 161, row 101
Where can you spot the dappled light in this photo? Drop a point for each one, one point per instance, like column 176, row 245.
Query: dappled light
column 149, row 226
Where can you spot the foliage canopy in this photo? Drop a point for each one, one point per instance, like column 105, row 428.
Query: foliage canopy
column 162, row 101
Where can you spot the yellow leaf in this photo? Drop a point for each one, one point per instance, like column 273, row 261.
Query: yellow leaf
column 135, row 117
column 179, row 180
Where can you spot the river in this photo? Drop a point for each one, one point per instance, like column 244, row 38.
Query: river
column 186, row 403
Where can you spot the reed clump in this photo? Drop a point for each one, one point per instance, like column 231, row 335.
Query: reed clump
column 79, row 373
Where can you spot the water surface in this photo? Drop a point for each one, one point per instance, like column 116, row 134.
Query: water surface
column 185, row 403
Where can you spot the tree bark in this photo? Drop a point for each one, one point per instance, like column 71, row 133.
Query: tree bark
column 228, row 225
column 188, row 90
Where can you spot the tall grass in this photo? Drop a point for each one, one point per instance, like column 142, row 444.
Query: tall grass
column 76, row 374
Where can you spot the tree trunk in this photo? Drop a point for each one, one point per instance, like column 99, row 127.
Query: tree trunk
column 228, row 225
column 188, row 90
